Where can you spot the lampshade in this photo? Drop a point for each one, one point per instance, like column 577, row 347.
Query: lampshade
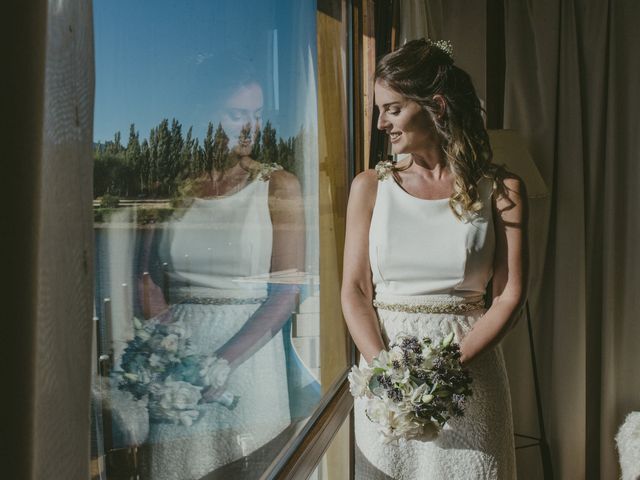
column 510, row 150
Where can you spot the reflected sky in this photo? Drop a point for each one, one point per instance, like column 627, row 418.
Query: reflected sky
column 164, row 59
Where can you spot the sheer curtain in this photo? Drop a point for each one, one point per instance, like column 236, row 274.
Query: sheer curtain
column 47, row 240
column 65, row 247
column 571, row 66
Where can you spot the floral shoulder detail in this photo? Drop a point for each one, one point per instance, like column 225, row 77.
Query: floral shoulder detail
column 384, row 168
column 264, row 171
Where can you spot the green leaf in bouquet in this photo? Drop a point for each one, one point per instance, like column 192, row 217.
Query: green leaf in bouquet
column 443, row 393
column 188, row 370
column 374, row 383
column 439, row 418
column 447, row 340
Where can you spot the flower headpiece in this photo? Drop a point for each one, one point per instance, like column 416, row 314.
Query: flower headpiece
column 444, row 45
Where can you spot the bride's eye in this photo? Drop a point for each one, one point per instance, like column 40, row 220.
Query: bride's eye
column 235, row 115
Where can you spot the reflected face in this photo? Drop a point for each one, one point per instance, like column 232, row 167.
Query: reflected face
column 409, row 127
column 241, row 116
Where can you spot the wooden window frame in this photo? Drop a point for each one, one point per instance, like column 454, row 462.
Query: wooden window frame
column 364, row 41
column 300, row 458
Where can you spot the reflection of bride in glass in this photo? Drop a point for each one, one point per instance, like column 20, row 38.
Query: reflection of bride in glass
column 241, row 219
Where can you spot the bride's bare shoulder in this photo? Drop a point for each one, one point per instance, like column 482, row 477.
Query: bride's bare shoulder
column 364, row 188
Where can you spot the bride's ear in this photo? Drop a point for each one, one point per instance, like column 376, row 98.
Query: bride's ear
column 442, row 105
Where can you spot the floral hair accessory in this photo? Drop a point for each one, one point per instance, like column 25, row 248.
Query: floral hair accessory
column 444, row 45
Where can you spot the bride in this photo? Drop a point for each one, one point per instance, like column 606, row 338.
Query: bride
column 424, row 237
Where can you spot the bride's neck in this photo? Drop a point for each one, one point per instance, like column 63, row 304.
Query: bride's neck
column 237, row 166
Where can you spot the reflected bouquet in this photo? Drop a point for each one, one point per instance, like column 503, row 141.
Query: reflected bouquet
column 414, row 388
column 159, row 363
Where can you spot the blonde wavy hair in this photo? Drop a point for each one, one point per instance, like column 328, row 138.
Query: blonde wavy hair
column 421, row 69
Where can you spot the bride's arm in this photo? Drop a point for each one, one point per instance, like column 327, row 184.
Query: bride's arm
column 287, row 218
column 357, row 285
column 510, row 271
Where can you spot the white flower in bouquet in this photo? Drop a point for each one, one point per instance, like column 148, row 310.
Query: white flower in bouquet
column 392, row 420
column 395, row 354
column 170, row 342
column 175, row 401
column 184, row 417
column 383, row 360
column 359, row 379
column 176, row 394
column 155, row 360
column 144, row 376
column 214, row 371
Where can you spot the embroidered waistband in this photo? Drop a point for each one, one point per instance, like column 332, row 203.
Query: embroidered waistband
column 220, row 301
column 429, row 304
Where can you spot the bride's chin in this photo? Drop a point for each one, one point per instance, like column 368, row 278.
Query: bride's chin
column 397, row 149
column 241, row 151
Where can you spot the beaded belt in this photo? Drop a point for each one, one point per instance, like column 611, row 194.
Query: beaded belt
column 220, row 301
column 430, row 307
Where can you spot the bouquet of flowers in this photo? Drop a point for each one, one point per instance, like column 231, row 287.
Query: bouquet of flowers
column 414, row 388
column 160, row 364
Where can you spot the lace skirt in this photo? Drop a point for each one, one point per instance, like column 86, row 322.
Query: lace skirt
column 479, row 445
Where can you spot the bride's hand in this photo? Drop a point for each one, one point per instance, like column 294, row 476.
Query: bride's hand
column 214, row 392
column 211, row 394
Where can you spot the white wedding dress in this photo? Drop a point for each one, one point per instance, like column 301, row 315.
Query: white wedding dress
column 421, row 253
column 216, row 242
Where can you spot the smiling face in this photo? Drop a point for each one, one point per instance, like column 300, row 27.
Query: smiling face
column 409, row 127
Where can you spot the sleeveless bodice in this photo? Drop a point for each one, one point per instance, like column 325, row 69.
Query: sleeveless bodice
column 220, row 240
column 419, row 247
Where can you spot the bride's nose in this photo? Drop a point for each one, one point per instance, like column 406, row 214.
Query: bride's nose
column 383, row 123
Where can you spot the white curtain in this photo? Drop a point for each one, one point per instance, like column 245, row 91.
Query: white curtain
column 413, row 20
column 64, row 300
column 572, row 71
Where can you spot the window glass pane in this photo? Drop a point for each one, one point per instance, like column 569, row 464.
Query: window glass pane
column 207, row 287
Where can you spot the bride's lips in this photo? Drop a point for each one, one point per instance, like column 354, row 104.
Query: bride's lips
column 394, row 137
